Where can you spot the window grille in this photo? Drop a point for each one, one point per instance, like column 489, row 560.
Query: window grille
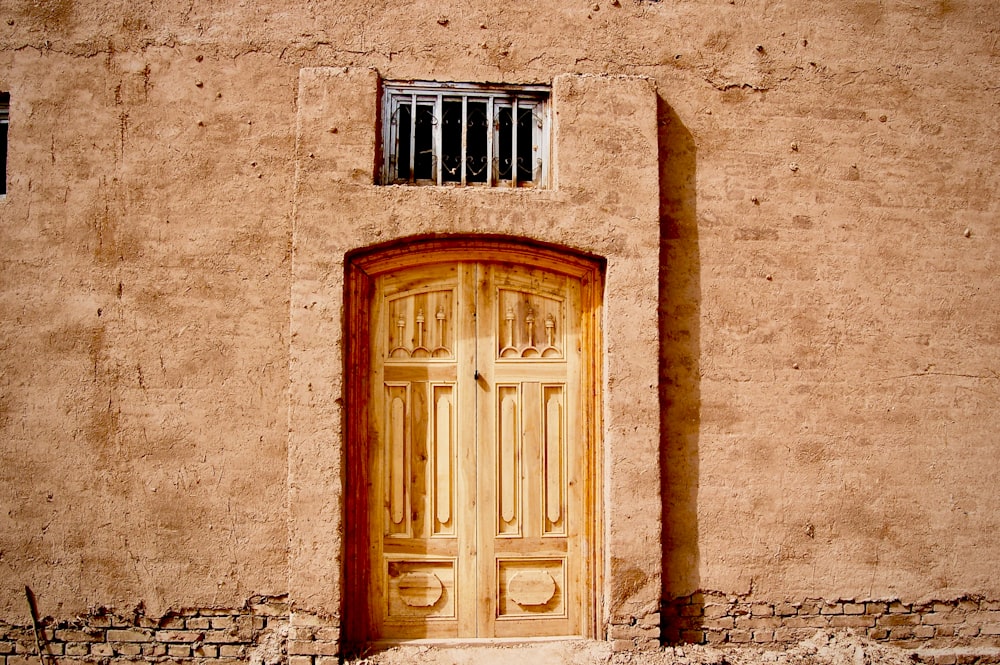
column 465, row 134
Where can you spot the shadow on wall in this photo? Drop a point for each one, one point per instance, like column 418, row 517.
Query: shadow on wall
column 680, row 378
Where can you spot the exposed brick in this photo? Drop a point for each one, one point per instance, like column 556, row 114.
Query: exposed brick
column 761, row 610
column 102, row 650
column 624, row 632
column 22, row 660
column 305, row 633
column 621, row 645
column 723, row 623
column 900, row 632
column 854, row 608
column 944, row 631
column 890, row 620
column 221, row 637
column 205, row 651
column 327, row 660
column 129, row 649
column 763, row 636
column 991, row 629
column 232, row 651
column 179, row 651
column 77, row 648
column 6, row 647
column 945, row 659
column 299, row 648
column 923, row 632
column 806, row 622
column 171, row 623
column 647, row 621
column 647, row 645
column 810, row 607
column 691, row 611
column 740, row 636
column 197, row 623
column 67, row 635
column 786, row 609
column 716, row 611
column 896, row 607
column 758, row 622
column 178, row 635
column 300, row 660
column 876, row 608
column 832, row 608
column 129, row 635
column 332, row 633
column 939, row 618
column 852, row 621
column 219, row 623
column 716, row 636
column 878, row 633
column 785, row 634
column 154, row 649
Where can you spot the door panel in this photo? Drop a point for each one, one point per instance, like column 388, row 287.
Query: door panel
column 477, row 524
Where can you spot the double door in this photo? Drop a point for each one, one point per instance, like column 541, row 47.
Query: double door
column 478, row 482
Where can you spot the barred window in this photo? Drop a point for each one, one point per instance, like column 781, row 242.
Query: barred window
column 465, row 134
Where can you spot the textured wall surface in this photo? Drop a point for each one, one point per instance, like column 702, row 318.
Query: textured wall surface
column 829, row 319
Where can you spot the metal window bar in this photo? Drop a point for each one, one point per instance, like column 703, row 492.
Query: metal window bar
column 413, row 138
column 513, row 144
column 529, row 160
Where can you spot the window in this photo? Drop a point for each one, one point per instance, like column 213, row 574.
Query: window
column 464, row 134
column 4, row 122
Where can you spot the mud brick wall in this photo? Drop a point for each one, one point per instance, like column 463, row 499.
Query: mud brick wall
column 828, row 320
column 257, row 632
column 719, row 619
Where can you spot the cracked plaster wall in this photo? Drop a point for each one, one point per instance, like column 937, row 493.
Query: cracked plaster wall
column 830, row 350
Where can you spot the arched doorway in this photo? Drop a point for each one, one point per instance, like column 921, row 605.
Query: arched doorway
column 472, row 440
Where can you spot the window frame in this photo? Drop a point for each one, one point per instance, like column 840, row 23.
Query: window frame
column 496, row 97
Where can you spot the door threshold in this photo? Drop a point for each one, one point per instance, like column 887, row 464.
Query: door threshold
column 446, row 642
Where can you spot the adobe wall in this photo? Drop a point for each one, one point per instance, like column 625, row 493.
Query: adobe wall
column 828, row 317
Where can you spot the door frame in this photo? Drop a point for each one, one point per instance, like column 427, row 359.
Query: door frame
column 361, row 267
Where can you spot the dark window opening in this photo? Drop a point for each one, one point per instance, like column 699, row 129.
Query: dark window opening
column 464, row 134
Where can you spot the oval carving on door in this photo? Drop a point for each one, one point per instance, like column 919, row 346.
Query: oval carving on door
column 531, row 587
column 418, row 589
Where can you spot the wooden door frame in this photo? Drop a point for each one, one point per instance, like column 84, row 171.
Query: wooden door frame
column 361, row 268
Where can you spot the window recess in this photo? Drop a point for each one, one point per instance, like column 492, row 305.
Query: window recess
column 464, row 134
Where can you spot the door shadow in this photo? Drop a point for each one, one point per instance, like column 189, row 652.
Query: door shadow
column 680, row 378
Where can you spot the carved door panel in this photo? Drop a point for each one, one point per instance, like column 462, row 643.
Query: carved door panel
column 478, row 482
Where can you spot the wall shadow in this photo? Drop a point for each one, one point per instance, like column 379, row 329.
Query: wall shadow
column 680, row 376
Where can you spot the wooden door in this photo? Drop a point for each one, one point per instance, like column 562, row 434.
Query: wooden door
column 480, row 422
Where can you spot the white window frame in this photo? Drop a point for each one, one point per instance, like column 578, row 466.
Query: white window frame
column 496, row 97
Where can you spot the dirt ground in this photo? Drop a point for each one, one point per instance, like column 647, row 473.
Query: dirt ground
column 822, row 649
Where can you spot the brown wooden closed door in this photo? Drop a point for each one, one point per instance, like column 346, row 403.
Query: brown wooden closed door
column 478, row 519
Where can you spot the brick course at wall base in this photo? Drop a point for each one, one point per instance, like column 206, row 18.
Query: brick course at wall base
column 720, row 619
column 263, row 632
